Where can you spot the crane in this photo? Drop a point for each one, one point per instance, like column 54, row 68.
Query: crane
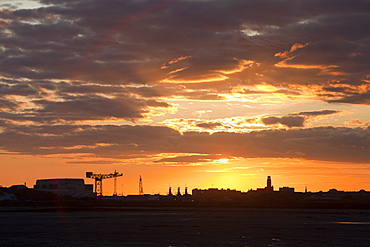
column 99, row 181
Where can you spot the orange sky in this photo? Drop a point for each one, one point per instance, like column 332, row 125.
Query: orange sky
column 159, row 90
column 239, row 174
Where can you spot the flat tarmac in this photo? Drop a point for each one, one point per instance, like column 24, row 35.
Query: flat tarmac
column 180, row 227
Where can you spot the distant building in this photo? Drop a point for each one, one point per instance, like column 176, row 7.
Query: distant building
column 286, row 190
column 142, row 198
column 65, row 186
column 18, row 187
column 216, row 194
column 268, row 189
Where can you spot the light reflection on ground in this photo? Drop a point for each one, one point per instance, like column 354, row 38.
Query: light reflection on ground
column 353, row 223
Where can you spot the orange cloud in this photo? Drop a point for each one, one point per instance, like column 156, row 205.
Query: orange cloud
column 177, row 70
column 242, row 65
column 294, row 47
column 196, row 79
column 232, row 124
column 324, row 69
column 196, row 75
column 358, row 122
column 288, row 62
column 173, row 61
column 297, row 46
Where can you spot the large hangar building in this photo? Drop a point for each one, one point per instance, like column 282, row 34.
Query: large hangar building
column 65, row 186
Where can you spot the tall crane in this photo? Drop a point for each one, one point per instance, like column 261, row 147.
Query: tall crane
column 99, row 181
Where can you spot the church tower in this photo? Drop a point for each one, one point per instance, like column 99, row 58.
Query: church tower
column 269, row 184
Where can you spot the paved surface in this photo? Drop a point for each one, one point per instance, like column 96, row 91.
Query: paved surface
column 179, row 228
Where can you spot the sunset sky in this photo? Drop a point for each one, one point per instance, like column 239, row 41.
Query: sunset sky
column 195, row 93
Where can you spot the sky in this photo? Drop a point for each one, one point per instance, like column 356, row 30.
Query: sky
column 186, row 93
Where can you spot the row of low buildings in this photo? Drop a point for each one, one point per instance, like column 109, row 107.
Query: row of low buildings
column 78, row 188
column 73, row 187
column 228, row 194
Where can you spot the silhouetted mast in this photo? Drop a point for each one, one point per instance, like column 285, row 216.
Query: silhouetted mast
column 186, row 191
column 170, row 191
column 141, row 189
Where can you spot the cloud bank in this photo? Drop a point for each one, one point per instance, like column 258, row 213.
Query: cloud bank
column 128, row 142
column 73, row 73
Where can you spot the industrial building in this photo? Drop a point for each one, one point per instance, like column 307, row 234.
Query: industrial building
column 65, row 186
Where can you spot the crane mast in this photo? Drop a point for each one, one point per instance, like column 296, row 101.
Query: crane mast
column 99, row 181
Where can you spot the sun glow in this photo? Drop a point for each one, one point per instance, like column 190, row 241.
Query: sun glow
column 223, row 160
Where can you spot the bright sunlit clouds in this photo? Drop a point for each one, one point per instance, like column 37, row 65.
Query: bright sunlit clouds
column 19, row 4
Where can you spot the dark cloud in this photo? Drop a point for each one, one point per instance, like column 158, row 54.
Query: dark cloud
column 95, row 107
column 7, row 104
column 317, row 113
column 190, row 159
column 129, row 40
column 79, row 108
column 316, row 143
column 355, row 98
column 17, row 88
column 296, row 119
column 289, row 121
column 124, row 142
column 209, row 125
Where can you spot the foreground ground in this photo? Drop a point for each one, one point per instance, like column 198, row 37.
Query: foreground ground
column 179, row 227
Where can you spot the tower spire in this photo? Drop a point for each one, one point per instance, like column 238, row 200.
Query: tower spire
column 269, row 186
column 268, row 182
column 141, row 189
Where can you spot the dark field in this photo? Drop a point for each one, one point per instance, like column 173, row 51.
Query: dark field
column 185, row 227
